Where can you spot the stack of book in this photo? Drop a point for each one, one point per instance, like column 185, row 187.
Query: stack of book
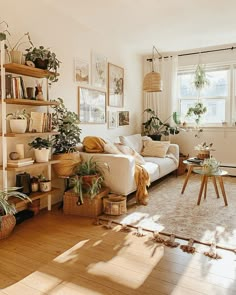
column 20, row 162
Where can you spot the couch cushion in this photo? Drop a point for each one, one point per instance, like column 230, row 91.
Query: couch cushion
column 155, row 148
column 110, row 148
column 153, row 170
column 166, row 165
column 134, row 141
column 124, row 149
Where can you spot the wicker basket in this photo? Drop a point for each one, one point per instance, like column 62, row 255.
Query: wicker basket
column 68, row 162
column 203, row 154
column 90, row 208
column 7, row 224
column 114, row 205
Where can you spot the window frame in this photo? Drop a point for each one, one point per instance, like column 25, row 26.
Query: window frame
column 230, row 99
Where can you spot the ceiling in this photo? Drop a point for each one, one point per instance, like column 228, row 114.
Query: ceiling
column 169, row 25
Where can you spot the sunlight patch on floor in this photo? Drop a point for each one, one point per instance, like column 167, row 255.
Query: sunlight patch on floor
column 71, row 254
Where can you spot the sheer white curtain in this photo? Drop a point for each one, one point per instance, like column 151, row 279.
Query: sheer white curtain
column 163, row 103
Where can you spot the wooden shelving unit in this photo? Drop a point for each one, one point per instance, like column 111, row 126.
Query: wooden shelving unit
column 30, row 102
column 29, row 134
column 27, row 71
column 33, row 196
column 23, row 70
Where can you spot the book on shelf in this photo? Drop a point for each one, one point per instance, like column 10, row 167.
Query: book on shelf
column 36, row 122
column 8, row 82
column 21, row 164
column 19, row 161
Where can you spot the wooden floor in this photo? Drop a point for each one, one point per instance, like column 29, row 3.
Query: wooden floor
column 57, row 254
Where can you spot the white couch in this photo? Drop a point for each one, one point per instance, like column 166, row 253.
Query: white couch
column 120, row 177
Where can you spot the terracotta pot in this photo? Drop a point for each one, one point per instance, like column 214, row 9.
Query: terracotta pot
column 87, row 180
column 7, row 224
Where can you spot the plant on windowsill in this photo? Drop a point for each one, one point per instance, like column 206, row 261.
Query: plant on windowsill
column 154, row 127
column 7, row 210
column 65, row 143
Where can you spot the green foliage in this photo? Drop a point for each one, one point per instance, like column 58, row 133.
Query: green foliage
column 3, row 35
column 42, row 53
column 39, row 143
column 197, row 111
column 67, row 124
column 200, row 78
column 154, row 125
column 19, row 114
column 5, row 206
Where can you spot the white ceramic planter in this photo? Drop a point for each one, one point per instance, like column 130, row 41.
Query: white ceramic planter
column 45, row 186
column 41, row 155
column 18, row 125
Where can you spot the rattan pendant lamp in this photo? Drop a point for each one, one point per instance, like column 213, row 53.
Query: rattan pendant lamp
column 152, row 81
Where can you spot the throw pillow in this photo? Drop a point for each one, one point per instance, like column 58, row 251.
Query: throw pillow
column 124, row 149
column 155, row 148
column 133, row 141
column 110, row 148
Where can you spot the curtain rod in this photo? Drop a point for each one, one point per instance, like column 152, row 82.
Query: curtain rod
column 199, row 52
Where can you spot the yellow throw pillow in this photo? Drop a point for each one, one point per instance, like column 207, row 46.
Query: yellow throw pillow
column 155, row 148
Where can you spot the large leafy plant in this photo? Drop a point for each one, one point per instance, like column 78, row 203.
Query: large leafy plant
column 67, row 124
column 45, row 54
column 155, row 126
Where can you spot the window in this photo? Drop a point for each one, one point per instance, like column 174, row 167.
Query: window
column 216, row 96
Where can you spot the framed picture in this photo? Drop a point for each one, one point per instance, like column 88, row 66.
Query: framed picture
column 112, row 119
column 81, row 71
column 115, row 86
column 99, row 70
column 92, row 106
column 123, row 118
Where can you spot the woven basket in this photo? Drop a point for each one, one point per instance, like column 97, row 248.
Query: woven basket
column 68, row 163
column 90, row 208
column 114, row 205
column 7, row 224
column 203, row 154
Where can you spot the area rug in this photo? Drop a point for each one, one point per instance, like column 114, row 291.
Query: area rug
column 171, row 212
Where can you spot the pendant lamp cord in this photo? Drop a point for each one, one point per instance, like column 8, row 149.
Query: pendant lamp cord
column 153, row 56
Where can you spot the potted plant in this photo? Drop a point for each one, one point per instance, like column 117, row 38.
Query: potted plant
column 7, row 210
column 197, row 111
column 18, row 121
column 64, row 143
column 43, row 58
column 89, row 178
column 44, row 183
column 41, row 148
column 200, row 78
column 3, row 35
column 154, row 127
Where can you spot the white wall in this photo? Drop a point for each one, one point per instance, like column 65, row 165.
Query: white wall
column 51, row 27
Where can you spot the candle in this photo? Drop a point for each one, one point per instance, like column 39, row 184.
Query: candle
column 20, row 150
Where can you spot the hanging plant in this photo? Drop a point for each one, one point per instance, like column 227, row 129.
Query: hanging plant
column 200, row 78
column 197, row 111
